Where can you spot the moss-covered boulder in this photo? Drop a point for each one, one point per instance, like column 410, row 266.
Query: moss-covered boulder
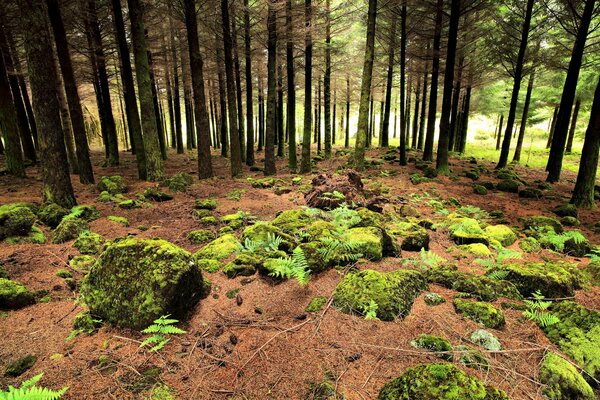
column 89, row 243
column 16, row 219
column 130, row 204
column 14, row 295
column 486, row 339
column 51, row 214
column 440, row 381
column 261, row 231
column 577, row 334
column 179, row 182
column 393, row 292
column 135, row 281
column 553, row 279
column 85, row 212
column 435, row 344
column 319, row 229
column 467, row 231
column 482, row 287
column 472, row 358
column 35, row 236
column 502, row 233
column 414, row 237
column 244, row 264
column 562, row 380
column 219, row 249
column 205, row 204
column 82, row 263
column 291, row 221
column 20, row 366
column 433, row 299
column 570, row 221
column 200, row 236
column 118, row 220
column 70, row 228
column 540, row 222
column 369, row 242
column 566, row 210
column 476, row 249
column 154, row 194
column 112, row 184
column 531, row 193
column 530, row 245
column 508, row 185
column 481, row 312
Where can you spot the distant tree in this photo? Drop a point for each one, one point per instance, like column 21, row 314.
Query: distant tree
column 305, row 165
column 435, row 70
column 249, row 108
column 271, row 90
column 291, row 87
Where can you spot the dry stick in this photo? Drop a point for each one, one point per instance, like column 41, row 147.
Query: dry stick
column 67, row 314
column 271, row 339
column 329, row 302
column 372, row 372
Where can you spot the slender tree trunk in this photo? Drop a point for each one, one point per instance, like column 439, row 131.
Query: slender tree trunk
column 327, row 81
column 66, row 122
column 420, row 141
column 333, row 120
column 170, row 107
column 568, row 96
column 222, row 100
column 444, row 138
column 347, row 136
column 190, row 132
column 403, row 125
column 552, row 126
column 318, row 117
column 499, row 137
column 133, row 118
column 205, row 169
column 291, row 88
column 111, row 130
column 385, row 142
column 371, row 121
column 465, row 121
column 455, row 104
column 160, row 125
column 271, row 90
column 430, row 135
column 249, row 106
column 42, row 75
column 516, row 87
column 583, row 194
column 280, row 128
column 517, row 156
column 149, row 119
column 305, row 165
column 415, row 127
column 573, row 126
column 365, row 93
column 238, row 84
column 261, row 116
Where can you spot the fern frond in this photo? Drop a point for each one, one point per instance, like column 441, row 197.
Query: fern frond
column 498, row 275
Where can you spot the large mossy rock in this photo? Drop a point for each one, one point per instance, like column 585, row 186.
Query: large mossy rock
column 393, row 292
column 219, row 249
column 70, row 228
column 502, row 233
column 481, row 312
column 477, row 286
column 135, row 281
column 51, row 214
column 439, row 381
column 562, row 380
column 291, row 221
column 369, row 242
column 112, row 184
column 13, row 295
column 541, row 222
column 414, row 237
column 16, row 219
column 577, row 334
column 553, row 279
column 261, row 231
column 442, row 347
column 467, row 231
column 89, row 243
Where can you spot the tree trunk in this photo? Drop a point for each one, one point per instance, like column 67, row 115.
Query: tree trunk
column 583, row 194
column 318, row 117
column 190, row 132
column 423, row 106
column 517, row 156
column 42, row 76
column 327, row 81
column 455, row 104
column 249, row 107
column 133, row 118
column 305, row 165
column 280, row 128
column 111, row 130
column 205, row 169
column 271, row 90
column 222, row 100
column 160, row 125
column 170, row 108
column 154, row 165
column 403, row 130
column 445, row 133
column 234, row 138
column 66, row 122
column 238, row 85
column 568, row 96
column 385, row 141
column 573, row 126
column 333, row 120
column 552, row 126
column 435, row 70
column 261, row 116
column 499, row 137
column 347, row 136
column 465, row 121
column 415, row 128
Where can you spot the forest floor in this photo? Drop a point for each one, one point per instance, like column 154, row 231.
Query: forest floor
column 231, row 351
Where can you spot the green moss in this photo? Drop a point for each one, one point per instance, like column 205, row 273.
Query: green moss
column 35, row 236
column 205, row 204
column 566, row 210
column 219, row 248
column 201, row 213
column 243, row 265
column 478, row 286
column 502, row 234
column 531, row 193
column 104, row 197
column 262, row 183
column 433, row 299
column 319, row 229
column 434, row 344
column 414, row 237
column 162, row 392
column 472, row 358
column 570, row 221
column 14, row 295
column 467, row 231
column 130, row 204
column 85, row 212
column 577, row 334
column 112, row 184
column 553, row 279
column 119, row 220
column 20, row 366
column 51, row 214
column 369, row 242
column 208, row 221
column 486, row 339
column 562, row 380
column 439, row 381
column 63, row 273
column 480, row 190
column 530, row 245
column 540, row 222
column 135, row 281
column 231, row 294
column 393, row 292
column 476, row 249
column 316, row 304
column 89, row 243
column 417, row 179
column 291, row 221
column 508, row 185
column 69, row 228
column 209, row 265
column 200, row 236
column 179, row 182
column 16, row 219
column 483, row 313
column 84, row 322
column 82, row 262
column 154, row 194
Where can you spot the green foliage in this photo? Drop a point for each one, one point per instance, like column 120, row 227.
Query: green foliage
column 473, row 212
column 498, row 275
column 30, row 391
column 537, row 310
column 370, row 311
column 251, row 246
column 344, row 217
column 159, row 330
column 295, row 267
column 235, row 194
column 340, row 249
column 428, row 260
column 549, row 239
column 502, row 255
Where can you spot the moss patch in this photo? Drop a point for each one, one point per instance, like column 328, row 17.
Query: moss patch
column 369, row 242
column 118, row 220
column 483, row 313
column 112, row 184
column 82, row 263
column 16, row 219
column 316, row 304
column 486, row 339
column 200, row 236
column 439, row 381
column 562, row 380
column 393, row 292
column 434, row 344
column 51, row 214
column 476, row 249
column 89, row 243
column 502, row 234
column 530, row 245
column 20, row 366
column 205, row 204
column 219, row 248
column 69, row 228
column 14, row 295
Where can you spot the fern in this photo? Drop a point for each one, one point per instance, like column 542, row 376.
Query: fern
column 473, row 212
column 503, row 255
column 370, row 311
column 537, row 311
column 160, row 328
column 339, row 249
column 29, row 391
column 294, row 267
column 252, row 246
column 548, row 238
column 498, row 275
column 344, row 217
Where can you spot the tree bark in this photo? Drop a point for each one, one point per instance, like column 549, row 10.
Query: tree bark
column 66, row 122
column 42, row 75
column 465, row 121
column 271, row 90
column 583, row 194
column 280, row 128
column 455, row 106
column 518, row 149
column 499, row 137
column 573, row 127
column 423, row 106
column 385, row 142
column 435, row 70
column 415, row 127
column 249, row 106
column 160, row 120
column 238, row 85
column 305, row 165
column 403, row 125
column 154, row 164
column 327, row 81
column 347, row 135
column 291, row 88
column 261, row 116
